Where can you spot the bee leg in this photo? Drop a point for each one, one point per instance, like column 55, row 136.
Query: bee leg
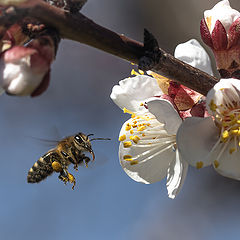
column 86, row 161
column 66, row 177
column 63, row 176
column 70, row 159
column 72, row 180
column 75, row 167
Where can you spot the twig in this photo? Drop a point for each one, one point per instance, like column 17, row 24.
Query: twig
column 79, row 28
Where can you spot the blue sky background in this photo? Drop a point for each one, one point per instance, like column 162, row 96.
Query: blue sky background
column 105, row 204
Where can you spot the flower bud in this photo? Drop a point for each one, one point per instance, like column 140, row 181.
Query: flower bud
column 26, row 68
column 220, row 31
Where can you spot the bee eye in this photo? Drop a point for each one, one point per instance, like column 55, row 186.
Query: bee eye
column 78, row 139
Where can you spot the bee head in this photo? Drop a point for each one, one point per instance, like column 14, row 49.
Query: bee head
column 82, row 142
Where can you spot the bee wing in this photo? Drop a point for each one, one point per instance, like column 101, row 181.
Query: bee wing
column 46, row 142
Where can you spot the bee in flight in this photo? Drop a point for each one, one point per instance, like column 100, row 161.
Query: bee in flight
column 68, row 150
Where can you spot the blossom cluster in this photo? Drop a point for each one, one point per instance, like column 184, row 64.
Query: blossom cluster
column 172, row 126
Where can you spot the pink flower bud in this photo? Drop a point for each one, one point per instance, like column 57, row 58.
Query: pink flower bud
column 220, row 30
column 27, row 69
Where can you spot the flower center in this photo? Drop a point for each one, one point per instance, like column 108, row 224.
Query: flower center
column 227, row 118
column 145, row 133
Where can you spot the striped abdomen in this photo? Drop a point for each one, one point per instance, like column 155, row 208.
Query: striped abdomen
column 42, row 168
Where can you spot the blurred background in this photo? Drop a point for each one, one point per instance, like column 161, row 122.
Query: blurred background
column 106, row 203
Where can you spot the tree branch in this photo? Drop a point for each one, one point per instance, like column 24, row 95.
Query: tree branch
column 79, row 28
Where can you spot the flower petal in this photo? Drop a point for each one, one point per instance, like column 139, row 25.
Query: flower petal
column 225, row 92
column 195, row 140
column 131, row 92
column 165, row 113
column 177, row 173
column 145, row 155
column 219, row 37
column 192, row 53
column 19, row 79
column 228, row 164
column 205, row 33
column 223, row 12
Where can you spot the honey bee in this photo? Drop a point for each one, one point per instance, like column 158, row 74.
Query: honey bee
column 68, row 150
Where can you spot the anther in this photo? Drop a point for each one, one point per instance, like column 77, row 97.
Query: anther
column 216, row 163
column 199, row 165
column 122, row 138
column 127, row 144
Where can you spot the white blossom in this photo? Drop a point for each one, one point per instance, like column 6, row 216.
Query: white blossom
column 216, row 139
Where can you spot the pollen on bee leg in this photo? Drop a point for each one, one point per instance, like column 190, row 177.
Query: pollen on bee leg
column 57, row 166
column 199, row 165
column 71, row 179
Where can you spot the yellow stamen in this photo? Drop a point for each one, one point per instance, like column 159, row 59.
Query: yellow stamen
column 131, row 131
column 232, row 116
column 141, row 128
column 234, row 132
column 231, row 150
column 128, row 127
column 134, row 162
column 209, row 22
column 216, row 163
column 212, row 106
column 125, row 110
column 133, row 72
column 225, row 135
column 199, row 165
column 136, row 139
column 127, row 157
column 122, row 138
column 127, row 144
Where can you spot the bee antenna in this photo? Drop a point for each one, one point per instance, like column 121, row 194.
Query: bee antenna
column 100, row 139
column 90, row 135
